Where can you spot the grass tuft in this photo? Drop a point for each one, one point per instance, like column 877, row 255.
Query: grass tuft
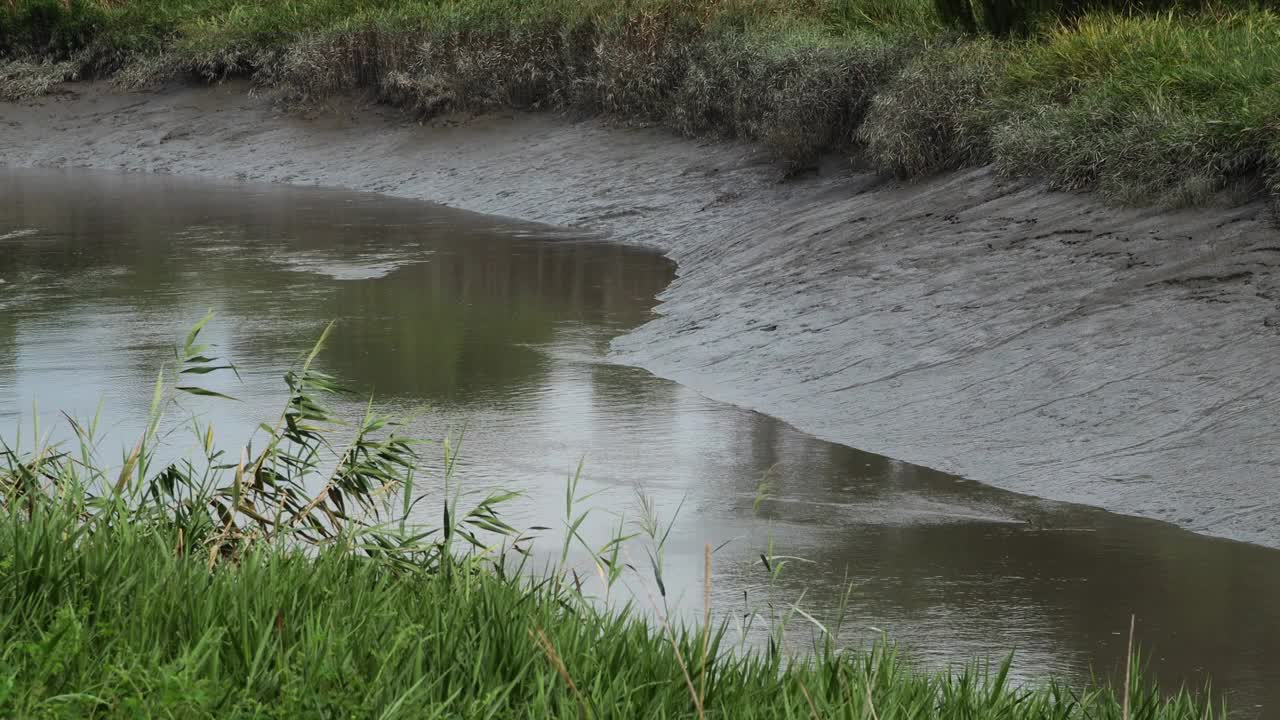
column 24, row 79
column 1164, row 108
column 929, row 118
column 800, row 98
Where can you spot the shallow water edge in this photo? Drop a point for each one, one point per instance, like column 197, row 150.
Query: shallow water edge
column 1035, row 341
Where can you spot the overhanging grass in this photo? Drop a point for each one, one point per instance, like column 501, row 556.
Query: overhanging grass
column 65, row 26
column 793, row 76
column 1169, row 108
column 1159, row 106
column 932, row 116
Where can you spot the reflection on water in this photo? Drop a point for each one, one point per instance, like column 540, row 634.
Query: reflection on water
column 460, row 319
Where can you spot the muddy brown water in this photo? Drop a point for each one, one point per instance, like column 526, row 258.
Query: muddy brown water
column 503, row 327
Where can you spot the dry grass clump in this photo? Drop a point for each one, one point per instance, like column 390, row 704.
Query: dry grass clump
column 324, row 64
column 24, row 79
column 542, row 66
column 930, row 118
column 207, row 63
column 144, row 72
column 799, row 101
column 525, row 69
column 632, row 69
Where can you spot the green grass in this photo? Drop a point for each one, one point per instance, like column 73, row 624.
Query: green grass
column 108, row 621
column 291, row 583
column 1169, row 107
column 1140, row 106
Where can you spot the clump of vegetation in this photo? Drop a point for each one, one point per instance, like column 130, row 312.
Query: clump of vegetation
column 298, row 488
column 20, row 80
column 1145, row 107
column 799, row 91
column 294, row 582
column 1005, row 18
column 931, row 117
column 799, row 96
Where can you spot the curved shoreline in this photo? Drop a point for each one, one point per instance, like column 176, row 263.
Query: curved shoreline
column 1036, row 341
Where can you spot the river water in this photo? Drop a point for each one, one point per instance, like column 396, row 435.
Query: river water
column 499, row 331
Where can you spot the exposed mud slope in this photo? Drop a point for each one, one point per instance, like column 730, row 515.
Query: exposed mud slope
column 1036, row 341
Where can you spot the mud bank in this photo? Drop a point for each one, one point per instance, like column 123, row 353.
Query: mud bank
column 1035, row 341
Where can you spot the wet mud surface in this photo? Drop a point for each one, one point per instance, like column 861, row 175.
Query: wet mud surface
column 1036, row 341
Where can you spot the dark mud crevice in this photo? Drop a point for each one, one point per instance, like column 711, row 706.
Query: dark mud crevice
column 1036, row 341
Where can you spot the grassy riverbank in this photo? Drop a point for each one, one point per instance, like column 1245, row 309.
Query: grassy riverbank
column 1168, row 106
column 291, row 581
column 119, row 621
